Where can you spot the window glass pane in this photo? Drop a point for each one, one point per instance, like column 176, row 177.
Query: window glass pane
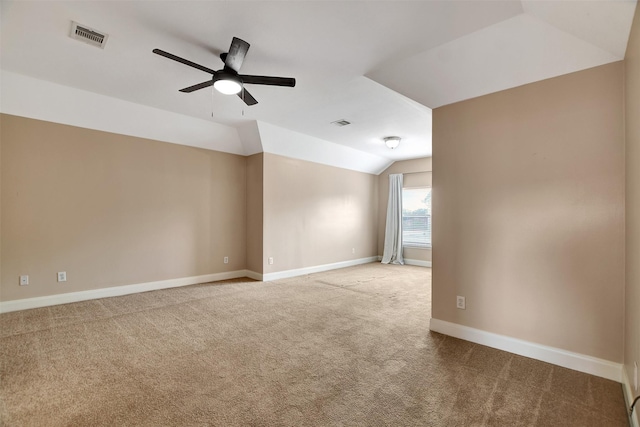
column 416, row 217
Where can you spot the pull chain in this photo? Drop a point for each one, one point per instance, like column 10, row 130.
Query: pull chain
column 211, row 102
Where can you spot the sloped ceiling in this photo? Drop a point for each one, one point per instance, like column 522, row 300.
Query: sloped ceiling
column 380, row 65
column 549, row 39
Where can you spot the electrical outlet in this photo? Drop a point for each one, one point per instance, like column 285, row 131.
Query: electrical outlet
column 24, row 280
column 226, row 260
column 461, row 302
column 62, row 276
column 353, row 250
column 270, row 260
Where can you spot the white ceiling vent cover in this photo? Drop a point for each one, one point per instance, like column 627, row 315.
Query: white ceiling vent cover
column 88, row 35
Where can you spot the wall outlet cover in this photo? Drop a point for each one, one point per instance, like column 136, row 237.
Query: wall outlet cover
column 24, row 280
column 461, row 302
column 62, row 276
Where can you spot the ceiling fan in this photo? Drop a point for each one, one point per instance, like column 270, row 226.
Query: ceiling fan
column 227, row 80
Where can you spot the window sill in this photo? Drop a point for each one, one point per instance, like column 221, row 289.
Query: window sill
column 416, row 247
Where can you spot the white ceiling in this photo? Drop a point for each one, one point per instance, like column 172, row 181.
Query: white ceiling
column 381, row 65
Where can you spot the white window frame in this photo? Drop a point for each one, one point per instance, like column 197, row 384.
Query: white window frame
column 429, row 222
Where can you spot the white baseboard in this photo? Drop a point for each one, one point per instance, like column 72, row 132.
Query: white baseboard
column 634, row 420
column 576, row 361
column 316, row 269
column 412, row 262
column 253, row 275
column 417, row 262
column 49, row 300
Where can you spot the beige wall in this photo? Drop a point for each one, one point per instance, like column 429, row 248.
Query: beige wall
column 632, row 290
column 418, row 175
column 113, row 210
column 1, row 207
column 315, row 214
column 255, row 201
column 528, row 208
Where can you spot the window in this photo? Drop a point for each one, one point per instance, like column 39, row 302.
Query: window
column 416, row 217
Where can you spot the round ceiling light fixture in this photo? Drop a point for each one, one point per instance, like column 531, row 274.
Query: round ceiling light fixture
column 227, row 83
column 392, row 141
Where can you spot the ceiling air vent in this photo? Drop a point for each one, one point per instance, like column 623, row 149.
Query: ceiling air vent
column 341, row 122
column 88, row 35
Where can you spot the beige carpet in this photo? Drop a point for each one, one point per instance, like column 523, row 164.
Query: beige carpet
column 348, row 347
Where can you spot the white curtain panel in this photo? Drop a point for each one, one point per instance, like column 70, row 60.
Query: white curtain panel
column 393, row 232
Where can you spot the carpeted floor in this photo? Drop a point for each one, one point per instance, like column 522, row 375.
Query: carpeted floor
column 348, row 347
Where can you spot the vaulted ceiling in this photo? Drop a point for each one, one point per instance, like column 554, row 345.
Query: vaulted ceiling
column 380, row 65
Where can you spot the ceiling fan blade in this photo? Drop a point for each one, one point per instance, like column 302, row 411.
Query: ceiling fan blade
column 247, row 97
column 184, row 61
column 267, row 80
column 197, row 87
column 237, row 52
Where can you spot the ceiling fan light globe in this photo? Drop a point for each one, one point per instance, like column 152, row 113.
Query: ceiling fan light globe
column 227, row 86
